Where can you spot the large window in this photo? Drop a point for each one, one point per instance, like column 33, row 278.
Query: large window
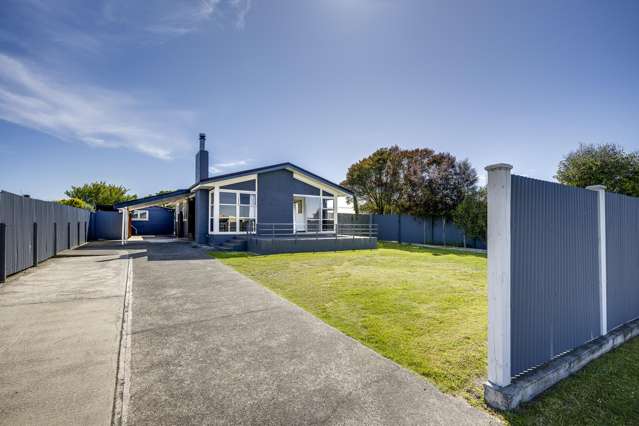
column 313, row 213
column 246, row 212
column 319, row 213
column 328, row 214
column 237, row 211
column 228, row 212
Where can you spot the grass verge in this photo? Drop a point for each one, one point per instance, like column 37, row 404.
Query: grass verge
column 426, row 310
column 423, row 308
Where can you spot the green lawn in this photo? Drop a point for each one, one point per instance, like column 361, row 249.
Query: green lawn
column 426, row 310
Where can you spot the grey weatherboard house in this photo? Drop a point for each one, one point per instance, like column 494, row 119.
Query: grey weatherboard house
column 277, row 208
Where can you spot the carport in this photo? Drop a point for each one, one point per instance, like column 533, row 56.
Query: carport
column 180, row 199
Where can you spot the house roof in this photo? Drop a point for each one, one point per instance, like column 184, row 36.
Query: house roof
column 272, row 168
column 154, row 199
column 181, row 193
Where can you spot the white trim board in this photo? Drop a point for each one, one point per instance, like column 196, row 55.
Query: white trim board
column 220, row 183
column 317, row 184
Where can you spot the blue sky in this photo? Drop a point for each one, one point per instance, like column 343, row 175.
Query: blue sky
column 118, row 90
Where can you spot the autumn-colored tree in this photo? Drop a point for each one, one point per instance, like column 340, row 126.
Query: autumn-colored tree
column 418, row 182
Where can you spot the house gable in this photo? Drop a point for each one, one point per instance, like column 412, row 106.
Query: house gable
column 303, row 188
column 298, row 173
column 247, row 185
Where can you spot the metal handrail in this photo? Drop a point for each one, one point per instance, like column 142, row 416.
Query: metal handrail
column 328, row 229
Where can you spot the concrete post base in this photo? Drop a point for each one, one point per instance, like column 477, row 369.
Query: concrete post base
column 527, row 386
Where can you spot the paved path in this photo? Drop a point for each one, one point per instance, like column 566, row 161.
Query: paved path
column 210, row 346
column 59, row 340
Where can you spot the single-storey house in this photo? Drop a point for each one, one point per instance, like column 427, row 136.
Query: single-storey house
column 276, row 208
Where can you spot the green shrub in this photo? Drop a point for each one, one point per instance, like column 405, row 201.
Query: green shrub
column 76, row 202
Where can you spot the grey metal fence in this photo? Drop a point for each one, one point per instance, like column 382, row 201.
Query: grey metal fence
column 33, row 230
column 554, row 270
column 416, row 230
column 622, row 259
column 563, row 281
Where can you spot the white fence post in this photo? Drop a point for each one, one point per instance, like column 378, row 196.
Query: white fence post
column 125, row 225
column 603, row 307
column 499, row 186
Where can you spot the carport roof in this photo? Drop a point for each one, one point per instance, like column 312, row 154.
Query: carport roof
column 154, row 199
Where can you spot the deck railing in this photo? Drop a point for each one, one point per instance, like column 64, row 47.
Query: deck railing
column 311, row 230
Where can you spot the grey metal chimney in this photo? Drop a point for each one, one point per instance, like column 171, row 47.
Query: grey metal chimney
column 202, row 161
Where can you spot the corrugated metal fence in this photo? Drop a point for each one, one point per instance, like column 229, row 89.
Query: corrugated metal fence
column 33, row 230
column 557, row 268
column 416, row 230
column 554, row 270
column 622, row 260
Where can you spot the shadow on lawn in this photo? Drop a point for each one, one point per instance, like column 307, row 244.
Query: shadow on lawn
column 230, row 254
column 434, row 251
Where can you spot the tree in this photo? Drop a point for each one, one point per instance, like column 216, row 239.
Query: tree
column 76, row 202
column 418, row 182
column 377, row 180
column 100, row 193
column 441, row 184
column 416, row 164
column 449, row 182
column 606, row 164
column 471, row 215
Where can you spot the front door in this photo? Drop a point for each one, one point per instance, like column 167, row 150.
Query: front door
column 298, row 215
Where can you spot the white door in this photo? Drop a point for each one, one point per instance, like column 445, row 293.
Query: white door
column 298, row 215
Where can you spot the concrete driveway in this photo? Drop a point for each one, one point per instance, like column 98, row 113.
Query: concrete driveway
column 210, row 346
column 201, row 344
column 60, row 329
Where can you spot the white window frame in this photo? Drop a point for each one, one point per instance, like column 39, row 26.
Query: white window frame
column 334, row 198
column 135, row 216
column 214, row 201
column 321, row 197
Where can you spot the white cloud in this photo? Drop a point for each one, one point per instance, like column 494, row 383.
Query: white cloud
column 89, row 27
column 243, row 7
column 224, row 167
column 174, row 17
column 88, row 114
column 33, row 95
